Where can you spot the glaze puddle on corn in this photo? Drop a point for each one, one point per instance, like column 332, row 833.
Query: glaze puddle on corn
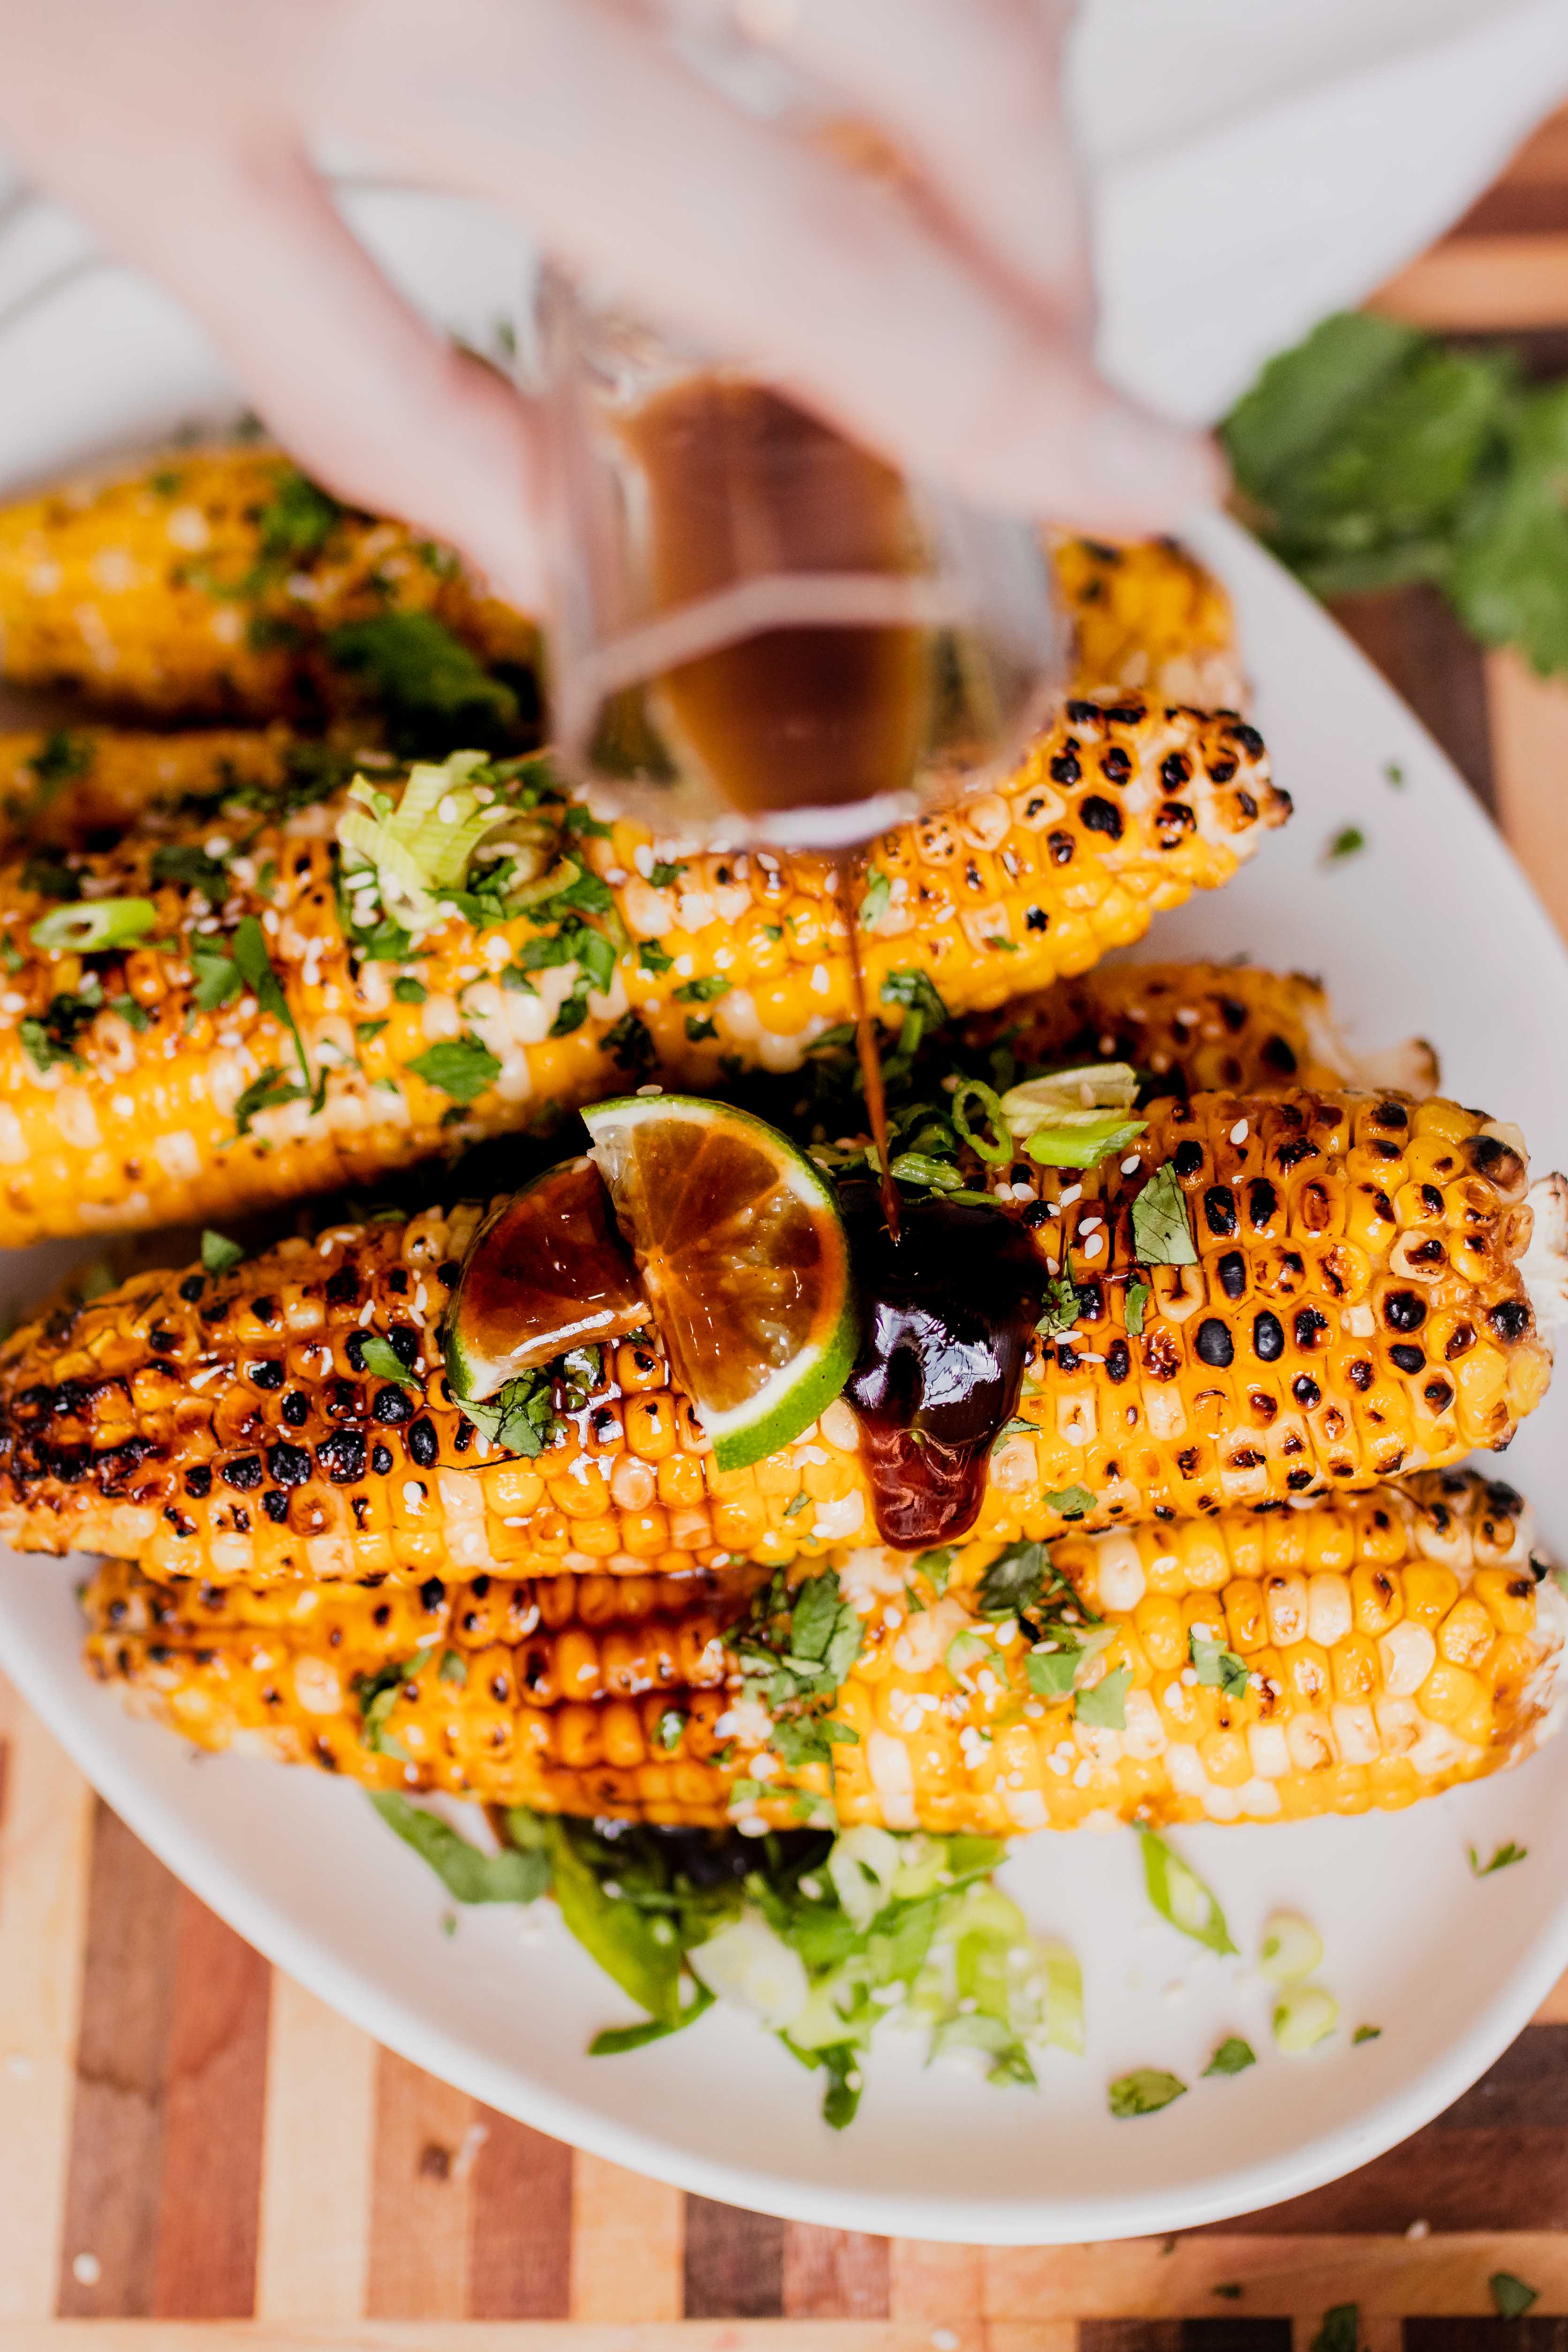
column 950, row 1304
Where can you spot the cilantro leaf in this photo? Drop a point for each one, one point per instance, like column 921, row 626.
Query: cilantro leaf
column 875, row 898
column 1014, row 1581
column 463, row 1067
column 437, row 695
column 1105, row 1705
column 1070, row 1502
column 1500, row 1860
column 264, row 1093
column 520, row 1417
column 1161, row 1234
column 1233, row 2057
column 191, row 868
column 1144, row 2091
column 1510, row 2297
column 254, row 968
column 468, row 1875
column 381, row 1359
column 1341, row 2330
column 1137, row 1296
column 1218, row 1668
column 219, row 1254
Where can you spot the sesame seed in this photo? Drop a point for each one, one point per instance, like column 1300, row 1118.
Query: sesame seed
column 1074, row 1192
column 1238, row 1132
column 1131, row 1166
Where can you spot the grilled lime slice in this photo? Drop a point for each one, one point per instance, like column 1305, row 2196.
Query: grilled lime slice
column 744, row 1258
column 546, row 1272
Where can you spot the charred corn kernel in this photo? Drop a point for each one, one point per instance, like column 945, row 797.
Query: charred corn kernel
column 1148, row 615
column 204, row 1472
column 644, row 1716
column 208, row 584
column 141, row 1082
column 1214, row 1027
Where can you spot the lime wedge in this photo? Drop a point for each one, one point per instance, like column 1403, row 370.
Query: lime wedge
column 546, row 1272
column 744, row 1258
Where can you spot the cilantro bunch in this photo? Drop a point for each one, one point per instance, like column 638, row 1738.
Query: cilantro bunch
column 1372, row 454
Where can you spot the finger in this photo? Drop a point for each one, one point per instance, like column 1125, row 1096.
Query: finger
column 970, row 92
column 370, row 399
column 572, row 118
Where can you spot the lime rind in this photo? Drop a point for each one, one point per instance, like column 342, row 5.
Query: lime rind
column 793, row 1396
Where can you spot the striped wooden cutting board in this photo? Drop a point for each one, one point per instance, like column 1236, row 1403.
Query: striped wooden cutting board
column 196, row 2156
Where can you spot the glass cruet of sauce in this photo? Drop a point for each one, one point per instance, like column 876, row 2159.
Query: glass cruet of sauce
column 757, row 630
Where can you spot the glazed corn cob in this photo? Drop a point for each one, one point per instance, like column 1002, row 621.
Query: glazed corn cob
column 206, row 585
column 203, row 585
column 68, row 788
column 1356, row 1310
column 1377, row 1648
column 1148, row 616
column 1209, row 1027
column 129, row 1097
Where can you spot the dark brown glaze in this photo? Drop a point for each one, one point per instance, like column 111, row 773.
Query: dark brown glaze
column 742, row 484
column 949, row 1306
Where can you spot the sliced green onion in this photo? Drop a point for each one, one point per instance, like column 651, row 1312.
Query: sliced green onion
column 1292, row 1948
column 1179, row 1894
column 1303, row 2017
column 1064, row 1998
column 750, row 1964
column 996, row 1153
column 1070, row 1095
column 92, row 925
column 1081, row 1144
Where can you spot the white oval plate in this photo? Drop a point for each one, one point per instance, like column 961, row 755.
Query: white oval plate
column 1431, row 928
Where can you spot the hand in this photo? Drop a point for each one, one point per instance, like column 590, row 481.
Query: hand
column 948, row 325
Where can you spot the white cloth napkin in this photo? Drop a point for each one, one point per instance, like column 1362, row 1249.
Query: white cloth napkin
column 1255, row 164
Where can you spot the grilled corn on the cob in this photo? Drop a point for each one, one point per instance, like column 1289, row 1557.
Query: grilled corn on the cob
column 1376, row 1649
column 1356, row 1310
column 208, row 584
column 138, row 1085
column 70, row 787
column 1212, row 1027
column 1147, row 615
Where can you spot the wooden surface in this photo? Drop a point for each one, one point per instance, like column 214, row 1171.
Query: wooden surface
column 196, row 2156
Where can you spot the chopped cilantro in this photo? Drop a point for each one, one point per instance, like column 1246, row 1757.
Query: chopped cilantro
column 703, row 991
column 1069, row 1502
column 219, row 1254
column 1367, row 2033
column 1233, row 2057
column 59, row 759
column 510, row 1875
column 1346, row 843
column 663, row 877
column 1144, row 2091
column 698, row 1029
column 1512, row 2298
column 191, row 868
column 437, row 697
column 1105, row 1705
column 463, row 1067
column 1501, row 1859
column 1341, row 2330
column 381, row 1359
column 298, row 519
column 520, row 1417
column 264, row 1093
column 1137, row 1296
column 1218, row 1667
column 408, row 991
column 652, row 957
column 1161, row 1234
column 50, row 877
